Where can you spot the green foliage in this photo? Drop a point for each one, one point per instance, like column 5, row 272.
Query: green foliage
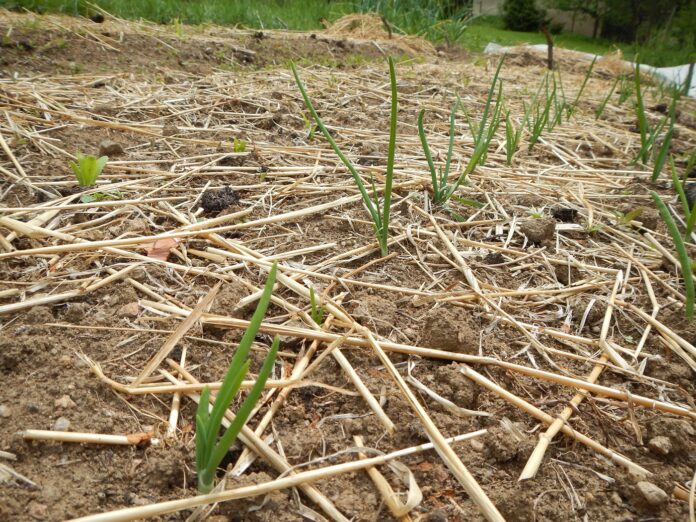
column 210, row 448
column 379, row 212
column 88, row 168
column 522, row 15
column 574, row 105
column 512, row 137
column 649, row 134
column 600, row 108
column 239, row 145
column 684, row 260
column 317, row 311
column 680, row 188
column 482, row 133
column 439, row 179
column 538, row 112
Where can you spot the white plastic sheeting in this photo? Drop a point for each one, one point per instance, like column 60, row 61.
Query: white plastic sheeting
column 676, row 75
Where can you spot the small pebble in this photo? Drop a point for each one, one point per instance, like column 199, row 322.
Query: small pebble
column 64, row 402
column 110, row 148
column 37, row 511
column 476, row 445
column 65, row 360
column 5, row 411
column 652, row 494
column 660, row 445
column 61, row 424
column 129, row 310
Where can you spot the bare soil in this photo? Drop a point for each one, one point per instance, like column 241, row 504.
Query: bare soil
column 545, row 249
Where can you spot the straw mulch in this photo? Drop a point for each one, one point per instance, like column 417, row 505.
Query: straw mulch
column 544, row 326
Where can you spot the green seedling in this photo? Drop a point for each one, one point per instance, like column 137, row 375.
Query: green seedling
column 684, row 259
column 239, row 145
column 600, row 108
column 625, row 218
column 536, row 213
column 680, row 188
column 625, row 89
column 88, row 168
column 311, row 127
column 536, row 116
column 574, row 105
column 482, row 133
column 210, row 447
column 378, row 212
column 661, row 156
column 439, row 178
column 317, row 311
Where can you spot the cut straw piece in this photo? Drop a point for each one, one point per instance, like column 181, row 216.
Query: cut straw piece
column 135, row 439
column 176, row 336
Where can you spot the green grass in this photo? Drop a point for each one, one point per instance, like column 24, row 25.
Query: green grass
column 487, row 29
column 276, row 14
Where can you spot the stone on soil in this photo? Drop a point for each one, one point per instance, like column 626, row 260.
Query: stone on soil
column 660, row 445
column 61, row 424
column 110, row 148
column 652, row 494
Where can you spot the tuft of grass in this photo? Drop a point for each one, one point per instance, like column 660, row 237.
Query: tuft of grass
column 210, row 447
column 379, row 212
column 684, row 260
column 88, row 168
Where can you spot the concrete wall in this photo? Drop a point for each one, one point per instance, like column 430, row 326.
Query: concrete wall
column 487, row 7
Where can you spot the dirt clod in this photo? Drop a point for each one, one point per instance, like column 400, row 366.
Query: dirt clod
column 64, row 402
column 539, row 230
column 566, row 215
column 660, row 445
column 450, row 330
column 110, row 148
column 218, row 200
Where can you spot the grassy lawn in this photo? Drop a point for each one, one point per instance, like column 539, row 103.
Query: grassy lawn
column 487, row 29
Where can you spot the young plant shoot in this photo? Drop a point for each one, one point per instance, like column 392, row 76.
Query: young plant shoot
column 88, row 168
column 482, row 133
column 379, row 212
column 210, row 447
column 684, row 259
column 439, row 179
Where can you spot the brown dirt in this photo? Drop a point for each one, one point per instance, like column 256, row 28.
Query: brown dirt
column 175, row 104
